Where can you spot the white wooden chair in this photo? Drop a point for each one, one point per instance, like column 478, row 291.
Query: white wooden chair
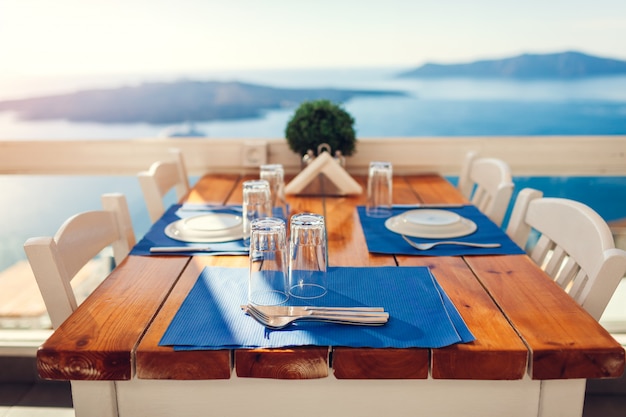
column 488, row 184
column 575, row 247
column 56, row 260
column 162, row 177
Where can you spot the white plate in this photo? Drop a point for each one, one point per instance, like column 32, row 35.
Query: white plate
column 433, row 224
column 431, row 217
column 210, row 227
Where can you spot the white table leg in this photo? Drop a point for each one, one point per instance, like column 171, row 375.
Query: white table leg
column 94, row 398
column 562, row 397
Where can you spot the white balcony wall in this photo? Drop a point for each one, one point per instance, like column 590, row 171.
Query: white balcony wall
column 527, row 156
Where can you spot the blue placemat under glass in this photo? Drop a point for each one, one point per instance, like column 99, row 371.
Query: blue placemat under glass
column 421, row 314
column 382, row 240
column 156, row 235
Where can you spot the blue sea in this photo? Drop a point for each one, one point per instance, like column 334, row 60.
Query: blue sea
column 449, row 107
column 446, row 107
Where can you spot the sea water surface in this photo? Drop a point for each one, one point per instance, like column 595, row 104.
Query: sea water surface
column 431, row 107
column 37, row 205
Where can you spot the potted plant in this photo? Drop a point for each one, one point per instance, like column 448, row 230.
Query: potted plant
column 320, row 122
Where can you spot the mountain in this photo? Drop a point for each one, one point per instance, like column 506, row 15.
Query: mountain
column 566, row 65
column 176, row 102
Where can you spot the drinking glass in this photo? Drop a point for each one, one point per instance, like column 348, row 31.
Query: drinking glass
column 307, row 256
column 379, row 189
column 267, row 281
column 256, row 204
column 275, row 175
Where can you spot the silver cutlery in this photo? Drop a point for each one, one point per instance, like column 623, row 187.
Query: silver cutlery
column 281, row 322
column 277, row 322
column 178, row 249
column 209, row 207
column 308, row 310
column 426, row 246
column 428, row 205
column 160, row 249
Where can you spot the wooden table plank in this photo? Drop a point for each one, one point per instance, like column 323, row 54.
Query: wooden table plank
column 97, row 341
column 432, row 188
column 304, row 362
column 403, row 190
column 184, row 365
column 497, row 353
column 347, row 247
column 214, row 188
column 308, row 362
column 192, row 365
column 565, row 341
column 363, row 363
column 346, row 240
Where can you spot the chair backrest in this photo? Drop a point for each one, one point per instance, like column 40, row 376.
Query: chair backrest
column 574, row 246
column 488, row 184
column 162, row 177
column 465, row 184
column 56, row 260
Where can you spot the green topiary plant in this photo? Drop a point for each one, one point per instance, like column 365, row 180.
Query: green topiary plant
column 321, row 121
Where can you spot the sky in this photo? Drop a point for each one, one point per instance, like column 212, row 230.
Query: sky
column 82, row 37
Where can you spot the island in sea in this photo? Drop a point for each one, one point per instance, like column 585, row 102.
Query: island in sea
column 193, row 101
column 563, row 65
column 184, row 101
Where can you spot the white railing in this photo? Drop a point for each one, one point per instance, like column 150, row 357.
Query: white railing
column 527, row 156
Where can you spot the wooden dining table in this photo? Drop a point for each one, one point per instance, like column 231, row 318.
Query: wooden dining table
column 534, row 346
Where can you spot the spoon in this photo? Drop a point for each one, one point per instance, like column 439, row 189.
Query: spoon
column 426, row 246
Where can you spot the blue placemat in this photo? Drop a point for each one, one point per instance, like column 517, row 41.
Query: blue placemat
column 421, row 314
column 382, row 240
column 156, row 235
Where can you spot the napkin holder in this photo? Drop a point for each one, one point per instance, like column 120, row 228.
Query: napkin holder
column 323, row 176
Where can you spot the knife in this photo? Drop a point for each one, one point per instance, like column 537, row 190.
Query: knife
column 176, row 249
column 209, row 207
column 428, row 205
column 308, row 310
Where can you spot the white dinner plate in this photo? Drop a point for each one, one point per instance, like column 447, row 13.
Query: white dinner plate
column 432, row 224
column 210, row 227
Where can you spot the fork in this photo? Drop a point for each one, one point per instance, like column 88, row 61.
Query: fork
column 349, row 312
column 280, row 322
column 426, row 246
